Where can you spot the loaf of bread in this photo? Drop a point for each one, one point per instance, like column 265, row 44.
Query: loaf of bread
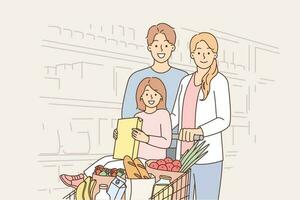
column 131, row 170
column 141, row 168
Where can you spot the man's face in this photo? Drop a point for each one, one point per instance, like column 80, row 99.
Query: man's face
column 161, row 50
column 203, row 55
column 150, row 97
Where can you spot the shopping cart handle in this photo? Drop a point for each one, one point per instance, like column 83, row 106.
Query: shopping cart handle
column 196, row 137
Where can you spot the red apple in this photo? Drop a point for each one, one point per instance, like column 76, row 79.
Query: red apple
column 168, row 160
column 175, row 169
column 163, row 167
column 169, row 166
column 153, row 165
column 177, row 163
column 161, row 162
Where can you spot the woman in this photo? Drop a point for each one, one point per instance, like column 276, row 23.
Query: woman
column 155, row 136
column 202, row 107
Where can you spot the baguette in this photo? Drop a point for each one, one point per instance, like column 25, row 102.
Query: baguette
column 141, row 168
column 131, row 170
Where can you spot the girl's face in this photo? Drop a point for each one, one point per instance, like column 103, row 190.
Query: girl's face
column 150, row 97
column 203, row 55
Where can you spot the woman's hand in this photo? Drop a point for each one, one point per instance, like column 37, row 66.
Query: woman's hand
column 187, row 134
column 115, row 134
column 140, row 135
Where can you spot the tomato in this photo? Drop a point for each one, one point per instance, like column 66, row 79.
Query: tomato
column 168, row 160
column 175, row 169
column 177, row 163
column 153, row 165
column 169, row 166
column 161, row 162
column 163, row 167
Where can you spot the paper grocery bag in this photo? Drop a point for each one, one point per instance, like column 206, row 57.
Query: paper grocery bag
column 125, row 144
column 139, row 189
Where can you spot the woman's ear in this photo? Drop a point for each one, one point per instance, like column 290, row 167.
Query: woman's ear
column 192, row 55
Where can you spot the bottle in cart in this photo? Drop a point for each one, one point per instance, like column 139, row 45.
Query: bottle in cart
column 161, row 191
column 102, row 195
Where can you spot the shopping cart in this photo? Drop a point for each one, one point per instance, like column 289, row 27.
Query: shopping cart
column 178, row 189
column 70, row 196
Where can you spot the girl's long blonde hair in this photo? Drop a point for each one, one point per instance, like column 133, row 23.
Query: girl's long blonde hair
column 212, row 43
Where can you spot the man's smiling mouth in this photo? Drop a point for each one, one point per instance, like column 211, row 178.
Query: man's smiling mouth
column 204, row 62
column 151, row 102
column 161, row 55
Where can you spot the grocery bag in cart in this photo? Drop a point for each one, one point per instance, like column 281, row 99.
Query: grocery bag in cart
column 137, row 189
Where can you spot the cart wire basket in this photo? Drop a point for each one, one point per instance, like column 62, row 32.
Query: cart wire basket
column 178, row 189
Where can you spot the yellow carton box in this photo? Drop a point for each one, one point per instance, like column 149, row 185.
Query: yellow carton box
column 125, row 144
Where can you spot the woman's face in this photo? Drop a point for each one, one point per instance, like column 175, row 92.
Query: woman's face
column 203, row 55
column 150, row 97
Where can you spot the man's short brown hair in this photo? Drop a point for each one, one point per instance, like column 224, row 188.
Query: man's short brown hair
column 164, row 28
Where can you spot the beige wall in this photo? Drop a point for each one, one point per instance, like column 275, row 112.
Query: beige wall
column 76, row 59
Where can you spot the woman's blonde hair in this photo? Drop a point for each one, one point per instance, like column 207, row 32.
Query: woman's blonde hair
column 157, row 85
column 212, row 43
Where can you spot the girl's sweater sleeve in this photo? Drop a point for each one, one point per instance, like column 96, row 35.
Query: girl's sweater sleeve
column 163, row 141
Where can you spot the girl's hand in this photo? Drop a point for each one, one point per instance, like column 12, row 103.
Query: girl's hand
column 115, row 134
column 140, row 135
column 187, row 134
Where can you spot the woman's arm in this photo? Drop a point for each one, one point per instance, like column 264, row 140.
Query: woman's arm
column 175, row 112
column 222, row 103
column 163, row 141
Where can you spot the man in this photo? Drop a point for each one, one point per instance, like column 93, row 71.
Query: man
column 161, row 40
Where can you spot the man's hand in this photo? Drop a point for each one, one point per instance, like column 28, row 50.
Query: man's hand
column 187, row 134
column 140, row 135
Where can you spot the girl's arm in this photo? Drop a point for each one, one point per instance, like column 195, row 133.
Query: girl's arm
column 163, row 141
column 222, row 102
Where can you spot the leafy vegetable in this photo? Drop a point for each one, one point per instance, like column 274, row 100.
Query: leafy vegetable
column 193, row 156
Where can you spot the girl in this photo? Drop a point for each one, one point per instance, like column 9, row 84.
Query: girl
column 202, row 107
column 156, row 133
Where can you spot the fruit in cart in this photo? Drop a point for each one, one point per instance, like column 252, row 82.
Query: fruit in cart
column 175, row 169
column 169, row 166
column 153, row 165
column 177, row 163
column 113, row 172
column 163, row 167
column 161, row 162
column 168, row 160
